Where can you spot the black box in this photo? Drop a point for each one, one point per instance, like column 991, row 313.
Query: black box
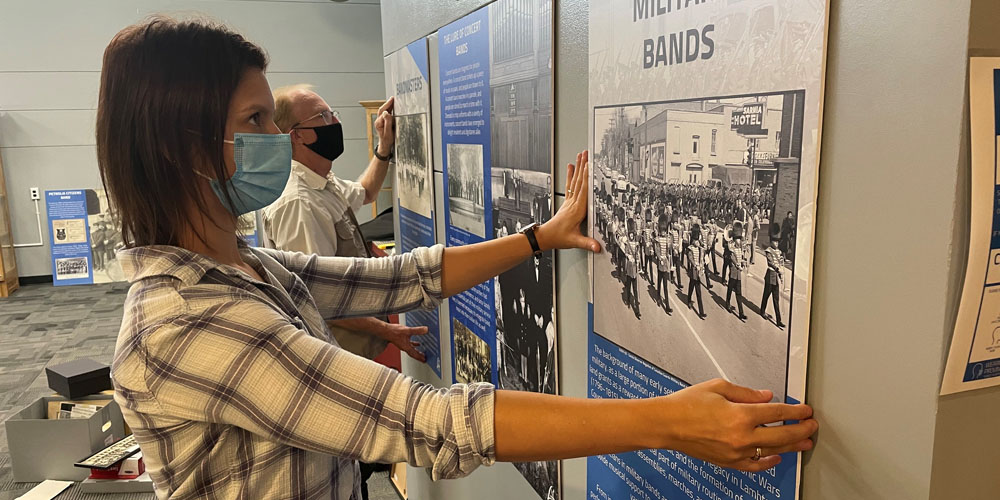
column 78, row 378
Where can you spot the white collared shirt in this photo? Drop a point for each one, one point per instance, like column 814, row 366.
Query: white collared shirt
column 310, row 211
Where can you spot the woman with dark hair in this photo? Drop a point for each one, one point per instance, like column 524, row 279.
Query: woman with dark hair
column 224, row 368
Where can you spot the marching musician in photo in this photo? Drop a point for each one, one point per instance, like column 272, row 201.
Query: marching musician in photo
column 727, row 240
column 738, row 266
column 676, row 249
column 696, row 264
column 703, row 241
column 712, row 229
column 772, row 281
column 631, row 244
column 621, row 243
column 648, row 242
column 685, row 236
column 662, row 255
column 639, row 236
column 611, row 235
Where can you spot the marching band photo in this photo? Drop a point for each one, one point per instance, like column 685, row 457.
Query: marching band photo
column 694, row 202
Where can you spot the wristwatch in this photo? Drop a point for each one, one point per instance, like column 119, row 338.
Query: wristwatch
column 392, row 154
column 529, row 231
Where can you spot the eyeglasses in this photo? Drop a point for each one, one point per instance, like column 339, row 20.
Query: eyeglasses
column 329, row 117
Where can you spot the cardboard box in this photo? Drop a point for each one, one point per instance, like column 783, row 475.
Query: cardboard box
column 78, row 378
column 47, row 449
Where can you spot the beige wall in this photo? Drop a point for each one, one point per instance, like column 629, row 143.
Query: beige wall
column 50, row 69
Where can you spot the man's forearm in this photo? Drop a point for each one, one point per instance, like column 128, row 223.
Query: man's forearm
column 370, row 325
column 373, row 177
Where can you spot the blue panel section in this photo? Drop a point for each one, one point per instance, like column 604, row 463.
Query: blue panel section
column 72, row 262
column 995, row 235
column 465, row 127
column 982, row 370
column 417, row 231
column 418, row 51
column 252, row 239
column 614, row 373
column 996, row 101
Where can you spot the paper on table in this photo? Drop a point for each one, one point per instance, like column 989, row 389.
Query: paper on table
column 47, row 490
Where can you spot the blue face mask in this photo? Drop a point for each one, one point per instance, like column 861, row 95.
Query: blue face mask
column 263, row 163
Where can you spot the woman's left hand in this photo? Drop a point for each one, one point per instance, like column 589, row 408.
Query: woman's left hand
column 563, row 230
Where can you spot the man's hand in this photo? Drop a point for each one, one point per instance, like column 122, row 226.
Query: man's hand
column 400, row 336
column 385, row 126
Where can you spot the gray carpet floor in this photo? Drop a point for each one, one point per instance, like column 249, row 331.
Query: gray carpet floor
column 44, row 325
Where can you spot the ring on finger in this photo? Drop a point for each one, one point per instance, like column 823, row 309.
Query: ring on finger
column 756, row 456
column 569, row 192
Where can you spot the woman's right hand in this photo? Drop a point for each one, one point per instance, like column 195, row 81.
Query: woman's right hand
column 724, row 423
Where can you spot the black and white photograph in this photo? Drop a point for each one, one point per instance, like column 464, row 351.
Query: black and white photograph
column 522, row 195
column 695, row 203
column 413, row 170
column 72, row 268
column 526, row 333
column 521, row 192
column 466, row 188
column 472, row 356
column 105, row 239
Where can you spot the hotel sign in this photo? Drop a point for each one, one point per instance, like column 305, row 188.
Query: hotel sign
column 749, row 121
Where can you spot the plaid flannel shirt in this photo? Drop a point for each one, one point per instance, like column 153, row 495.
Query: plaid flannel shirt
column 235, row 389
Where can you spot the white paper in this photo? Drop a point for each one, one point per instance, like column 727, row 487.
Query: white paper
column 974, row 359
column 47, row 490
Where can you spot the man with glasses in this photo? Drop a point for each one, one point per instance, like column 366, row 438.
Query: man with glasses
column 315, row 213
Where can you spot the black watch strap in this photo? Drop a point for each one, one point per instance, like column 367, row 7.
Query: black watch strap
column 384, row 158
column 529, row 231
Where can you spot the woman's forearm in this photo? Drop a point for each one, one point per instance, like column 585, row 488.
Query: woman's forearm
column 562, row 427
column 466, row 266
column 715, row 421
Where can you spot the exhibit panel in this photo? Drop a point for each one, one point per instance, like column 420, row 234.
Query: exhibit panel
column 705, row 130
column 407, row 78
column 85, row 237
column 974, row 358
column 496, row 127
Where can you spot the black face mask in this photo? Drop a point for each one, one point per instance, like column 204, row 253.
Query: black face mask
column 329, row 141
